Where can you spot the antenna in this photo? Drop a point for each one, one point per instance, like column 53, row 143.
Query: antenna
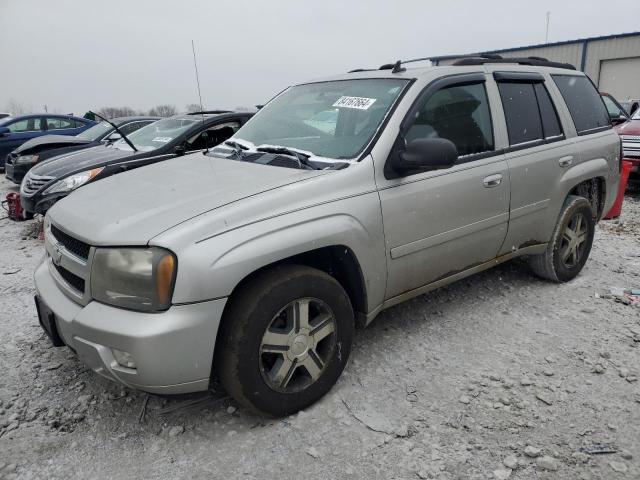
column 195, row 64
column 546, row 35
column 205, row 136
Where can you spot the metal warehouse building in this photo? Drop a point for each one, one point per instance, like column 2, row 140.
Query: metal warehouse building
column 612, row 62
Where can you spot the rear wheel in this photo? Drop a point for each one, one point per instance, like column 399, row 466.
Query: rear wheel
column 286, row 337
column 570, row 244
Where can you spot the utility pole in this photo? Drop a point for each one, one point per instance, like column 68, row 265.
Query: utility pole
column 546, row 35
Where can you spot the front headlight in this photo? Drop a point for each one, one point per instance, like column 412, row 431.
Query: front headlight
column 134, row 278
column 26, row 159
column 73, row 181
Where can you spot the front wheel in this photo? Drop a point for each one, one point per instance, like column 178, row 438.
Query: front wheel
column 570, row 244
column 286, row 337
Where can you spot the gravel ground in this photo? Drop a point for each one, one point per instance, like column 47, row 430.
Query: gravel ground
column 499, row 376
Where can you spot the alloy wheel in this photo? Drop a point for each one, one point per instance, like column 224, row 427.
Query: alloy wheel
column 297, row 345
column 573, row 241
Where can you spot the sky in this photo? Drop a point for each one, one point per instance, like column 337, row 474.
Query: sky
column 78, row 55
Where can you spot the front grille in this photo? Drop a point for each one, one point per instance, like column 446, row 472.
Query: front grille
column 74, row 245
column 32, row 183
column 72, row 279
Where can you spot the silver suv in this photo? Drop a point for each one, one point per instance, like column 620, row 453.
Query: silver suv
column 251, row 264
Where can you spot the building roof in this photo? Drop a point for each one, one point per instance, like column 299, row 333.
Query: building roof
column 542, row 45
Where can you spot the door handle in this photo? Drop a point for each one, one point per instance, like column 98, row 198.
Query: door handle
column 492, row 180
column 566, row 161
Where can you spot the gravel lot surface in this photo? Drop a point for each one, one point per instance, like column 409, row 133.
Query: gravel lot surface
column 499, row 376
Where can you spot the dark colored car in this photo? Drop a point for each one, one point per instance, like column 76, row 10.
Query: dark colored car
column 14, row 131
column 42, row 148
column 49, row 181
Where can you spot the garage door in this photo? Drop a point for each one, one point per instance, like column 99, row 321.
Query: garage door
column 621, row 77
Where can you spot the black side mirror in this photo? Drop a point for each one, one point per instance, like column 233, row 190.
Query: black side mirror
column 179, row 149
column 427, row 154
column 4, row 131
column 617, row 119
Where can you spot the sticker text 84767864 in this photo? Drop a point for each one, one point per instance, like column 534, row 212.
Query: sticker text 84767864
column 361, row 103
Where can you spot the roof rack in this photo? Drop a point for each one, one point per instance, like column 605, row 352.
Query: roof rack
column 532, row 61
column 394, row 67
column 397, row 66
column 210, row 112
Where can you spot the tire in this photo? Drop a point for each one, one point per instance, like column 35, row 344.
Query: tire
column 268, row 361
column 558, row 263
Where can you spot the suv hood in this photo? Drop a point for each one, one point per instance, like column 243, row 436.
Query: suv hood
column 49, row 141
column 135, row 206
column 78, row 161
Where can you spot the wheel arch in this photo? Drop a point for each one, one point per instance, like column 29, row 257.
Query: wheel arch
column 594, row 190
column 338, row 261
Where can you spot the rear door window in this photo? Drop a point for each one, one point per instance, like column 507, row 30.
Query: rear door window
column 521, row 112
column 58, row 123
column 585, row 105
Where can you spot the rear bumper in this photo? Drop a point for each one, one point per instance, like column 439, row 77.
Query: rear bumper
column 172, row 350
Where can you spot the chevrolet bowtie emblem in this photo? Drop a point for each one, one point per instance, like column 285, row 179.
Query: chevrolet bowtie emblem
column 57, row 256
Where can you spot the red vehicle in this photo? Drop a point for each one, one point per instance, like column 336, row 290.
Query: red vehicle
column 629, row 130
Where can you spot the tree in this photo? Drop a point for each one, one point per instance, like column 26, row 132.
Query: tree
column 193, row 107
column 112, row 112
column 241, row 109
column 163, row 111
column 14, row 107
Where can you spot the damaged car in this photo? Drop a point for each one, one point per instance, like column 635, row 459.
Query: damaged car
column 250, row 265
column 49, row 181
column 39, row 149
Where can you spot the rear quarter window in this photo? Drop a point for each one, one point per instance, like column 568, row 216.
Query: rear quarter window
column 583, row 100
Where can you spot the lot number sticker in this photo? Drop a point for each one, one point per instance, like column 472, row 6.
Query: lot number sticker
column 360, row 103
column 162, row 139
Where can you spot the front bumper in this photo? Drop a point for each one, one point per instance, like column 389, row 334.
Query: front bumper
column 39, row 203
column 16, row 171
column 172, row 350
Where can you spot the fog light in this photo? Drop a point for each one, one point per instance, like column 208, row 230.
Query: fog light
column 123, row 358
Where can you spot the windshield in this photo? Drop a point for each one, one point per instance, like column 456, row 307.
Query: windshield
column 613, row 109
column 157, row 134
column 95, row 132
column 329, row 119
column 636, row 115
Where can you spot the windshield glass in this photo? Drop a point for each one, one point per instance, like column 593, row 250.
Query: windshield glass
column 613, row 109
column 329, row 119
column 95, row 132
column 636, row 115
column 157, row 134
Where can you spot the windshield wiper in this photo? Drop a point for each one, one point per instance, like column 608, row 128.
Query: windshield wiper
column 238, row 148
column 124, row 137
column 303, row 158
